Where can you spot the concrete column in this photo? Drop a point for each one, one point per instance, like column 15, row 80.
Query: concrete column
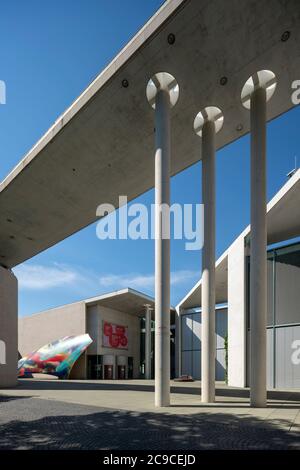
column 258, row 89
column 162, row 249
column 206, row 124
column 258, row 256
column 208, row 348
column 162, row 93
column 147, row 342
column 8, row 328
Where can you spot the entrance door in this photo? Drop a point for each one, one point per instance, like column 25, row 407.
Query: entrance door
column 121, row 372
column 108, row 372
column 130, row 367
column 94, row 367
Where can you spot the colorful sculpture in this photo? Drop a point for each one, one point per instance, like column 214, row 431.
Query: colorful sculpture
column 56, row 358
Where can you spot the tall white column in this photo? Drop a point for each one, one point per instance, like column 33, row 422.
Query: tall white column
column 147, row 342
column 162, row 250
column 162, row 93
column 258, row 252
column 207, row 123
column 208, row 348
column 259, row 88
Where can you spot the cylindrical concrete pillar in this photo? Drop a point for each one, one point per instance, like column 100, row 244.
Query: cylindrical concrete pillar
column 162, row 248
column 147, row 342
column 258, row 248
column 8, row 329
column 258, row 89
column 206, row 124
column 208, row 265
column 162, row 93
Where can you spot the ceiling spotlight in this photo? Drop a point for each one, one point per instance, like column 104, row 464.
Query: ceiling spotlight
column 285, row 36
column 239, row 127
column 125, row 83
column 171, row 39
column 223, row 81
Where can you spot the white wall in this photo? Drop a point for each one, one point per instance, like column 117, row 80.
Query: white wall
column 237, row 314
column 41, row 328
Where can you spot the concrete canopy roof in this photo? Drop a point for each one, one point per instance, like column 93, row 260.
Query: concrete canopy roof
column 193, row 297
column 125, row 300
column 102, row 146
column 283, row 220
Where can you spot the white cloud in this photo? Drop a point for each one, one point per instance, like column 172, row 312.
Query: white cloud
column 145, row 281
column 45, row 277
column 127, row 280
column 39, row 277
column 180, row 277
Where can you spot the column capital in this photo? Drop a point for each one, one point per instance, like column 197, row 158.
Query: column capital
column 162, row 81
column 209, row 114
column 265, row 79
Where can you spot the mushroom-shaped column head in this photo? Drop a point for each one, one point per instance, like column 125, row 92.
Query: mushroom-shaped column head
column 265, row 79
column 209, row 114
column 162, row 81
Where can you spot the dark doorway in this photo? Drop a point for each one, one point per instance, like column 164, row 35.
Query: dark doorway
column 94, row 367
column 121, row 372
column 108, row 372
column 130, row 367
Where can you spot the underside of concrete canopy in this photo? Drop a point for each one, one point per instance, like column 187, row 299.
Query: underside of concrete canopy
column 103, row 145
column 283, row 220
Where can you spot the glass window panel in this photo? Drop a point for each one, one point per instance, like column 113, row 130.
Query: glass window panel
column 187, row 332
column 287, row 291
column 270, row 289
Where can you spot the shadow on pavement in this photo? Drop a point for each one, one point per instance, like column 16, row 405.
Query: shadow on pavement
column 56, row 429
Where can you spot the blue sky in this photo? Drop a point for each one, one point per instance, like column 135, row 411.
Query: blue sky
column 49, row 53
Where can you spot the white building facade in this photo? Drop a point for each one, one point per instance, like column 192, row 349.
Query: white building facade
column 233, row 326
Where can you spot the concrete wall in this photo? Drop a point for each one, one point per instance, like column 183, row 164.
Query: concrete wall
column 41, row 328
column 93, row 327
column 79, row 369
column 96, row 315
column 237, row 314
column 8, row 328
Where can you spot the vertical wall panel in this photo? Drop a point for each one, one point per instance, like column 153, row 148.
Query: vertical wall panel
column 270, row 357
column 287, row 372
column 187, row 331
column 186, row 364
column 196, row 369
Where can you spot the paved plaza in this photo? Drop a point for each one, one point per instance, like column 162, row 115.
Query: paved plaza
column 56, row 414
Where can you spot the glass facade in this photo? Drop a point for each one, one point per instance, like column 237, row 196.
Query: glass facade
column 142, row 347
column 283, row 316
column 191, row 343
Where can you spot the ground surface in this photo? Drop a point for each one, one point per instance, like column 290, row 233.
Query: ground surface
column 52, row 414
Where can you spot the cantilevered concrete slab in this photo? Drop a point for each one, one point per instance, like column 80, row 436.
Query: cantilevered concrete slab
column 102, row 146
column 125, row 300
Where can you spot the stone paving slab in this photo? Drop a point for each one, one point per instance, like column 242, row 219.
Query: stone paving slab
column 41, row 414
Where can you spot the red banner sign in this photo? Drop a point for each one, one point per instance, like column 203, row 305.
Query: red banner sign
column 115, row 336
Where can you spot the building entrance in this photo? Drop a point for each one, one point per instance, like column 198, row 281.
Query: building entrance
column 108, row 372
column 121, row 372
